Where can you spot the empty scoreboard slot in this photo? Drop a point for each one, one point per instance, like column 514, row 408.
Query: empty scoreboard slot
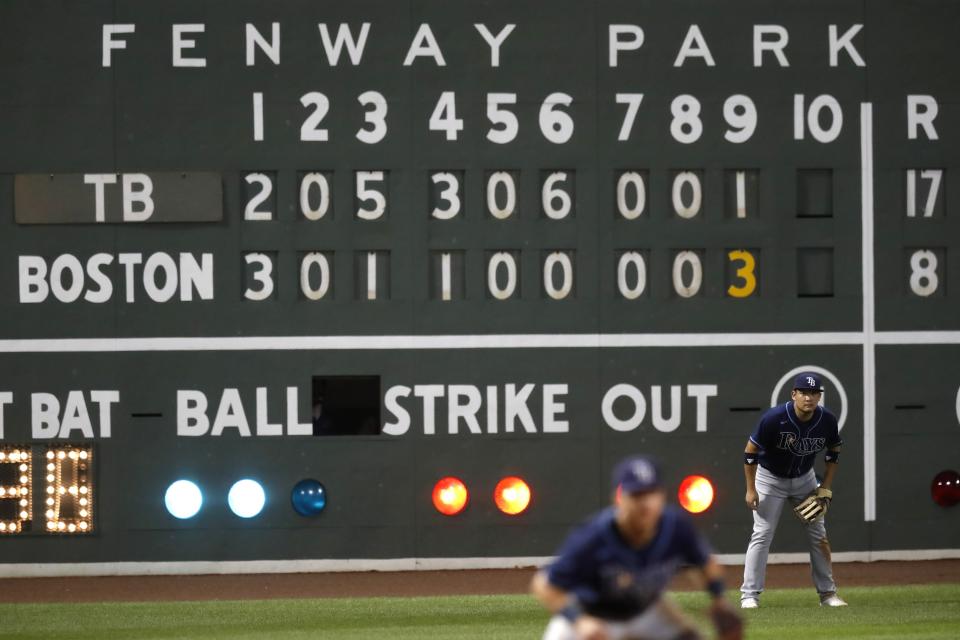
column 745, row 409
column 815, row 272
column 147, row 414
column 909, row 407
column 814, row 193
column 346, row 405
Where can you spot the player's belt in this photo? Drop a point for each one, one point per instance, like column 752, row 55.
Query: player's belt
column 789, row 476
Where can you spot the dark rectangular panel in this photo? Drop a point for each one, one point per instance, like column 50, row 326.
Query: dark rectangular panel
column 87, row 198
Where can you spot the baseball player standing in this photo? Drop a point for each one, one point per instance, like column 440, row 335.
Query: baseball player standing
column 608, row 579
column 778, row 465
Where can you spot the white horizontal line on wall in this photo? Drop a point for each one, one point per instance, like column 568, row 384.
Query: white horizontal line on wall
column 51, row 569
column 917, row 337
column 476, row 341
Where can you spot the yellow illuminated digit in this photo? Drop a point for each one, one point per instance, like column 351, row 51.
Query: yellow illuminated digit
column 746, row 273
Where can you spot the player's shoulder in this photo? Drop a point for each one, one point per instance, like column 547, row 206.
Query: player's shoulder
column 677, row 518
column 774, row 414
column 677, row 529
column 825, row 419
column 828, row 415
column 592, row 528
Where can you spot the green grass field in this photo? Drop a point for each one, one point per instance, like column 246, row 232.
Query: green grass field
column 916, row 612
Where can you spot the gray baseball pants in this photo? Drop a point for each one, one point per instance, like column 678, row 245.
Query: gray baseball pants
column 773, row 492
column 663, row 620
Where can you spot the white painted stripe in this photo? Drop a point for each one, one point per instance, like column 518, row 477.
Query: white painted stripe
column 386, row 343
column 916, row 337
column 869, row 318
column 261, row 566
column 478, row 341
column 905, row 555
column 44, row 570
column 727, row 339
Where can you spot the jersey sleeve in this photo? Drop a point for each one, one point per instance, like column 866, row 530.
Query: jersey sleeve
column 758, row 436
column 833, row 434
column 570, row 570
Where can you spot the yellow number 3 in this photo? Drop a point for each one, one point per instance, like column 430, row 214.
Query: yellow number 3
column 745, row 272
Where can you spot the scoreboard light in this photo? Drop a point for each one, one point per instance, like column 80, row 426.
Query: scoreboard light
column 308, row 497
column 183, row 499
column 695, row 494
column 69, row 499
column 512, row 495
column 246, row 498
column 17, row 494
column 945, row 489
column 450, row 496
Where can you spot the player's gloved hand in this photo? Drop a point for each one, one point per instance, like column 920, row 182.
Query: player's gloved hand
column 814, row 505
column 590, row 628
column 726, row 621
column 752, row 499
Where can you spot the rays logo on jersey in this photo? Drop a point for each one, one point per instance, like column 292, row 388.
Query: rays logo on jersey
column 799, row 446
column 638, row 588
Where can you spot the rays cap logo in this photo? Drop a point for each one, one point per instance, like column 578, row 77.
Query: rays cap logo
column 808, row 381
column 637, row 474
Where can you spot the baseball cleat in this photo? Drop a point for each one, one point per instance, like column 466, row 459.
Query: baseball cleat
column 753, row 603
column 832, row 600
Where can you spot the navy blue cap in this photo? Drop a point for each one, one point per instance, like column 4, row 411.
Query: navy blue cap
column 808, row 381
column 637, row 474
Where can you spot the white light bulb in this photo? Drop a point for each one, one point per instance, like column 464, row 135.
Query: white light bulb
column 183, row 499
column 246, row 498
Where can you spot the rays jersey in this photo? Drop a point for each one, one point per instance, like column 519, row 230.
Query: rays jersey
column 616, row 581
column 789, row 447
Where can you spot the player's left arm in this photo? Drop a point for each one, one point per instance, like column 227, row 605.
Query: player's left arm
column 831, row 460
column 726, row 621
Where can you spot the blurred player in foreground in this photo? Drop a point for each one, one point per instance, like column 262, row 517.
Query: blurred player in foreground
column 608, row 580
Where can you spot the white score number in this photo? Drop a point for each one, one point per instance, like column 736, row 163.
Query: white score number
column 822, row 119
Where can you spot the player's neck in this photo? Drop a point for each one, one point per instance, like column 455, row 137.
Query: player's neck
column 633, row 536
column 803, row 416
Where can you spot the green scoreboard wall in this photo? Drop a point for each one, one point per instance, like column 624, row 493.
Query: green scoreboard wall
column 546, row 234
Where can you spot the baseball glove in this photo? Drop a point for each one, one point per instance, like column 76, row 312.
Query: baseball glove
column 727, row 622
column 814, row 505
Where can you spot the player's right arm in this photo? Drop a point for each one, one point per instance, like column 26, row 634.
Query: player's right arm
column 751, row 455
column 553, row 598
